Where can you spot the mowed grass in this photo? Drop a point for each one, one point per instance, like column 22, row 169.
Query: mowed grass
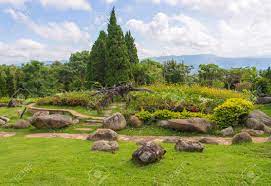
column 70, row 162
column 266, row 109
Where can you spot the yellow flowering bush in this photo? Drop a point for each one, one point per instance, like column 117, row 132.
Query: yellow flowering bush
column 232, row 112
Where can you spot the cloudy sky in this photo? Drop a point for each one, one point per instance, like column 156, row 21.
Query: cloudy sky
column 52, row 29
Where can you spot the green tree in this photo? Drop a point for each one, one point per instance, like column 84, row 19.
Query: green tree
column 97, row 64
column 209, row 74
column 132, row 50
column 118, row 68
column 176, row 73
column 3, row 84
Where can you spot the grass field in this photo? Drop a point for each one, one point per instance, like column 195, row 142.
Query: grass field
column 26, row 161
column 70, row 162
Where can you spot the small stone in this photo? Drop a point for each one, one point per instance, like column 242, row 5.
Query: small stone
column 21, row 124
column 103, row 134
column 208, row 141
column 242, row 137
column 148, row 153
column 189, row 146
column 107, row 146
column 2, row 123
column 135, row 122
column 227, row 132
column 269, row 139
column 253, row 132
column 5, row 119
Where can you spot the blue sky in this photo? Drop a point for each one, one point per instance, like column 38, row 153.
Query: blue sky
column 53, row 29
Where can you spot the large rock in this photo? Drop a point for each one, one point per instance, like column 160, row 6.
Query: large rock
column 227, row 131
column 4, row 118
column 148, row 153
column 263, row 100
column 255, row 124
column 107, row 146
column 209, row 141
column 115, row 122
column 54, row 121
column 188, row 125
column 21, row 124
column 103, row 134
column 261, row 117
column 242, row 137
column 135, row 122
column 189, row 146
column 253, row 132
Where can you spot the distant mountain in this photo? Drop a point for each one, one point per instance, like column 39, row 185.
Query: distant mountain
column 260, row 63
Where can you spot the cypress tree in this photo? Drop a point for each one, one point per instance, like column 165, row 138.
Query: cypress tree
column 118, row 67
column 132, row 50
column 97, row 64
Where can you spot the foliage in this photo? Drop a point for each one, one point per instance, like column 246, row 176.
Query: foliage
column 176, row 73
column 167, row 114
column 179, row 97
column 84, row 99
column 232, row 112
column 132, row 50
column 209, row 74
column 148, row 72
column 97, row 63
column 118, row 67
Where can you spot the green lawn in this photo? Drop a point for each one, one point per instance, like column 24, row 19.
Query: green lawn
column 70, row 162
column 266, row 109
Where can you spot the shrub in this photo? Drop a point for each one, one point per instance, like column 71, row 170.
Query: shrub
column 167, row 114
column 232, row 112
column 84, row 99
column 179, row 97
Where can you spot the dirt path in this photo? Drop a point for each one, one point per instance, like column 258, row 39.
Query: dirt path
column 74, row 113
column 7, row 134
column 140, row 139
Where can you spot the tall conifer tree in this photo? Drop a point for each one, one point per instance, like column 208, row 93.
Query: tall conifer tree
column 97, row 64
column 132, row 50
column 118, row 68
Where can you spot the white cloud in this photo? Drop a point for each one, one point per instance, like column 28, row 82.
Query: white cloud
column 110, row 1
column 175, row 34
column 57, row 4
column 14, row 2
column 65, row 32
column 24, row 50
column 67, row 4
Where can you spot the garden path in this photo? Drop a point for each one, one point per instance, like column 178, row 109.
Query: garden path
column 74, row 113
column 140, row 139
column 7, row 134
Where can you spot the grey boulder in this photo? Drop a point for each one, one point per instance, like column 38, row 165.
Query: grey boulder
column 188, row 125
column 242, row 137
column 115, row 122
column 54, row 121
column 227, row 131
column 103, row 134
column 103, row 145
column 148, row 153
column 263, row 100
column 21, row 124
column 189, row 146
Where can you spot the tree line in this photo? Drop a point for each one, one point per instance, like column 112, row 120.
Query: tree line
column 113, row 60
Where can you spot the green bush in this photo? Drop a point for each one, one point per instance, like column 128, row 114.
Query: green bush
column 232, row 112
column 84, row 99
column 167, row 114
